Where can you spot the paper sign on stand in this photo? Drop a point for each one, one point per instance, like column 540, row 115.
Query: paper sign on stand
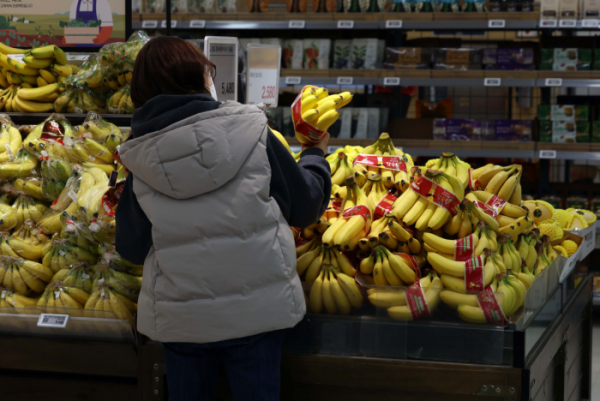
column 263, row 74
column 223, row 53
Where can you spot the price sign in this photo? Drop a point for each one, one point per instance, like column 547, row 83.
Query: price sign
column 163, row 24
column 393, row 24
column 149, row 24
column 553, row 82
column 53, row 321
column 391, row 81
column 345, row 80
column 293, row 80
column 492, row 82
column 590, row 23
column 548, row 23
column 496, row 23
column 345, row 24
column 197, row 23
column 567, row 23
column 263, row 74
column 297, row 24
column 223, row 53
column 547, row 154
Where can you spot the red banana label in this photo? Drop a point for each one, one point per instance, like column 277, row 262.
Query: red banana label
column 487, row 209
column 360, row 210
column 491, row 308
column 334, row 206
column 302, row 127
column 394, row 163
column 436, row 194
column 496, row 204
column 464, row 248
column 384, row 206
column 474, row 282
column 416, row 301
column 473, row 184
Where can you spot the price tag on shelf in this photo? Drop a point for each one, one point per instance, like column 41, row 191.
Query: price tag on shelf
column 547, row 154
column 590, row 23
column 293, row 80
column 149, row 24
column 393, row 24
column 345, row 24
column 163, row 24
column 492, row 82
column 53, row 321
column 263, row 74
column 553, row 82
column 297, row 24
column 567, row 23
column 391, row 81
column 198, row 23
column 548, row 23
column 497, row 23
column 223, row 53
column 345, row 80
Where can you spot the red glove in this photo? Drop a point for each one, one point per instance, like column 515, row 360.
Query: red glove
column 104, row 34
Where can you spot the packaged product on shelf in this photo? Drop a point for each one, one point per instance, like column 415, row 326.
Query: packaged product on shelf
column 565, row 131
column 346, row 130
column 316, row 54
column 226, row 6
column 136, row 6
column 510, row 67
column 577, row 201
column 296, row 6
column 323, row 6
column 449, row 6
column 476, row 6
column 201, row 6
column 402, row 6
column 511, row 130
column 120, row 102
column 553, row 200
column 360, row 122
column 565, row 112
column 549, row 9
column 355, row 6
column 423, row 6
column 569, row 59
column 505, row 5
column 373, row 130
column 456, row 129
column 590, row 9
column 441, row 109
column 258, row 6
column 79, row 100
column 293, row 51
column 509, row 56
column 462, row 58
column 568, row 9
column 595, row 136
column 179, row 6
column 399, row 58
column 244, row 42
column 525, row 5
column 270, row 41
column 342, row 50
column 154, row 6
column 364, row 54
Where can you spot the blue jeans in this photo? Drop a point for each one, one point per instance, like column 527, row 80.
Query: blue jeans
column 251, row 365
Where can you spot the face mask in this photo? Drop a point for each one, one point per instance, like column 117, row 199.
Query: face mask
column 213, row 92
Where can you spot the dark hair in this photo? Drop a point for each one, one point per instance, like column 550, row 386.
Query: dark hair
column 171, row 66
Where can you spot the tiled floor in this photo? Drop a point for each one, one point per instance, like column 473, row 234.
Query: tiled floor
column 596, row 361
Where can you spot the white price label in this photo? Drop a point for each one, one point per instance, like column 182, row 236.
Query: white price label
column 553, row 82
column 57, row 294
column 198, row 23
column 567, row 23
column 590, row 23
column 223, row 53
column 53, row 321
column 293, row 80
column 262, row 86
column 547, row 154
column 100, row 281
column 548, row 23
column 496, row 23
column 17, row 57
column 3, row 295
column 345, row 24
column 61, row 253
column 492, row 82
column 149, row 24
column 85, row 276
column 345, row 80
column 163, row 24
column 296, row 24
column 393, row 24
column 391, row 81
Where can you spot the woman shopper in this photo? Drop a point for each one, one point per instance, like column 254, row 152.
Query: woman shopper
column 207, row 208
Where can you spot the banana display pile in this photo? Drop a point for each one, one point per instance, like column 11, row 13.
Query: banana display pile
column 44, row 81
column 57, row 207
column 418, row 235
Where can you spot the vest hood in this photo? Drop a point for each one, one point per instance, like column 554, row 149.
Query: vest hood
column 198, row 154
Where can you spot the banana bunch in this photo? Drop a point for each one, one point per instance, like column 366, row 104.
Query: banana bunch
column 350, row 151
column 381, row 234
column 395, row 269
column 117, row 80
column 455, row 299
column 51, row 220
column 354, row 221
column 421, row 210
column 10, row 141
column 452, row 273
column 543, row 261
column 37, row 100
column 120, row 102
column 511, row 219
column 79, row 276
column 8, row 217
column 26, row 242
column 7, row 94
column 109, row 255
column 450, row 164
column 60, row 298
column 101, row 131
column 93, row 186
column 23, row 276
column 310, row 264
column 548, row 249
column 124, row 284
column 63, row 255
column 308, row 246
column 509, row 253
column 46, row 139
column 341, row 168
column 9, row 299
column 466, row 221
column 334, row 291
column 472, row 245
column 540, row 211
column 374, row 188
column 432, row 296
column 22, row 165
column 104, row 302
column 27, row 208
column 315, row 230
column 31, row 186
column 80, row 234
column 55, row 174
column 319, row 109
column 526, row 247
column 386, row 297
column 504, row 182
column 79, row 100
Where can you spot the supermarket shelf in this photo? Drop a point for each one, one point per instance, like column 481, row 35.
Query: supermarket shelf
column 121, row 120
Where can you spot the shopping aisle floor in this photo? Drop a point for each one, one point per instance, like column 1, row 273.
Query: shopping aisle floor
column 596, row 360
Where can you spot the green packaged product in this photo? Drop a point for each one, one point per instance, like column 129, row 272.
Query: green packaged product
column 569, row 59
column 565, row 112
column 595, row 136
column 545, row 131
